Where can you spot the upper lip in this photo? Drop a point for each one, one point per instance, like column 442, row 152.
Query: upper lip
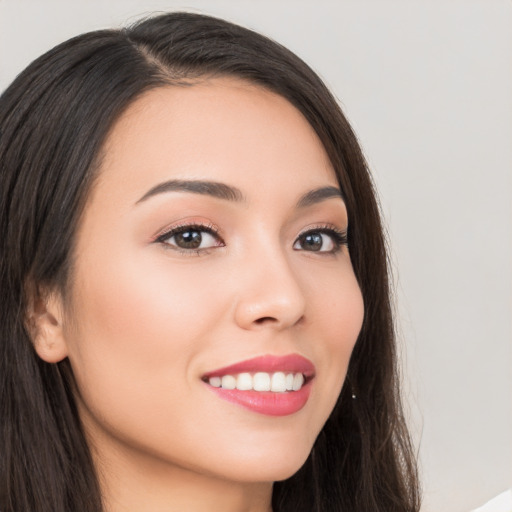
column 293, row 363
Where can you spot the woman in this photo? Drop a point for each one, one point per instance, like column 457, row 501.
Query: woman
column 195, row 309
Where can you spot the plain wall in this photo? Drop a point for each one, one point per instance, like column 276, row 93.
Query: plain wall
column 428, row 88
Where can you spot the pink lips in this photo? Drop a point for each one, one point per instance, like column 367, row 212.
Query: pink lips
column 267, row 402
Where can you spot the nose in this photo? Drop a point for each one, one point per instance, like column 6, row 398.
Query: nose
column 269, row 293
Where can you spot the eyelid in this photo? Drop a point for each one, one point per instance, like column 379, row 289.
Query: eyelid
column 340, row 236
column 323, row 227
column 168, row 231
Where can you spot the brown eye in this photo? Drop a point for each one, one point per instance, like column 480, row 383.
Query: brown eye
column 311, row 242
column 321, row 240
column 191, row 238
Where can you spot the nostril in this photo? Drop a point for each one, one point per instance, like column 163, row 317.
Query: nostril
column 265, row 319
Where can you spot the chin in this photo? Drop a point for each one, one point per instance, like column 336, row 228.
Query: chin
column 266, row 467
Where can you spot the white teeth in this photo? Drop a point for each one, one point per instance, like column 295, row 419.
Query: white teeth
column 277, row 382
column 216, row 382
column 229, row 382
column 298, row 380
column 261, row 381
column 244, row 382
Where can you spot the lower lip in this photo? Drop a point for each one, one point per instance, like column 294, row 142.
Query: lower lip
column 267, row 402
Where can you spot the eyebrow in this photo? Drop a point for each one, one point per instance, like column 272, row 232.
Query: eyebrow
column 318, row 195
column 229, row 193
column 209, row 188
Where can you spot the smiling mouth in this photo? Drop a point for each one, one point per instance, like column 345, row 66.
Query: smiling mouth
column 269, row 385
column 278, row 382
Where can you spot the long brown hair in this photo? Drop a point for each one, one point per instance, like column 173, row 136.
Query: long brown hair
column 54, row 119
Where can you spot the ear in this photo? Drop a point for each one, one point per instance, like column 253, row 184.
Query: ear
column 45, row 316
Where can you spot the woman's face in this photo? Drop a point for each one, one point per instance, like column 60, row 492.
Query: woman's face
column 214, row 236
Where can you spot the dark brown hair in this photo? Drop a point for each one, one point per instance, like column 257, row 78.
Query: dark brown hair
column 54, row 119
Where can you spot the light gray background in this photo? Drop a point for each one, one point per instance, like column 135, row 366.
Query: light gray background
column 428, row 88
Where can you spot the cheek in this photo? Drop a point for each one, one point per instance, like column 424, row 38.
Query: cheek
column 127, row 302
column 338, row 308
column 338, row 320
column 346, row 318
column 138, row 327
column 343, row 313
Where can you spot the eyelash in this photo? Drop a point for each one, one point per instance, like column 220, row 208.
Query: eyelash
column 183, row 228
column 339, row 237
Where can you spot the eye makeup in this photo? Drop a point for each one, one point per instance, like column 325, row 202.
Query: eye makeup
column 198, row 238
column 314, row 239
column 191, row 238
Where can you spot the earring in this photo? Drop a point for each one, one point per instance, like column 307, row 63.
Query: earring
column 352, row 389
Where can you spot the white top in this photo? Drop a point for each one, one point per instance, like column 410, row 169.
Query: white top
column 502, row 503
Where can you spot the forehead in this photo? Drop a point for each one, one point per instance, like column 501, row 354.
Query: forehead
column 225, row 130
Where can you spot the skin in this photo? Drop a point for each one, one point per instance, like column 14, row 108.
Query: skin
column 145, row 320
